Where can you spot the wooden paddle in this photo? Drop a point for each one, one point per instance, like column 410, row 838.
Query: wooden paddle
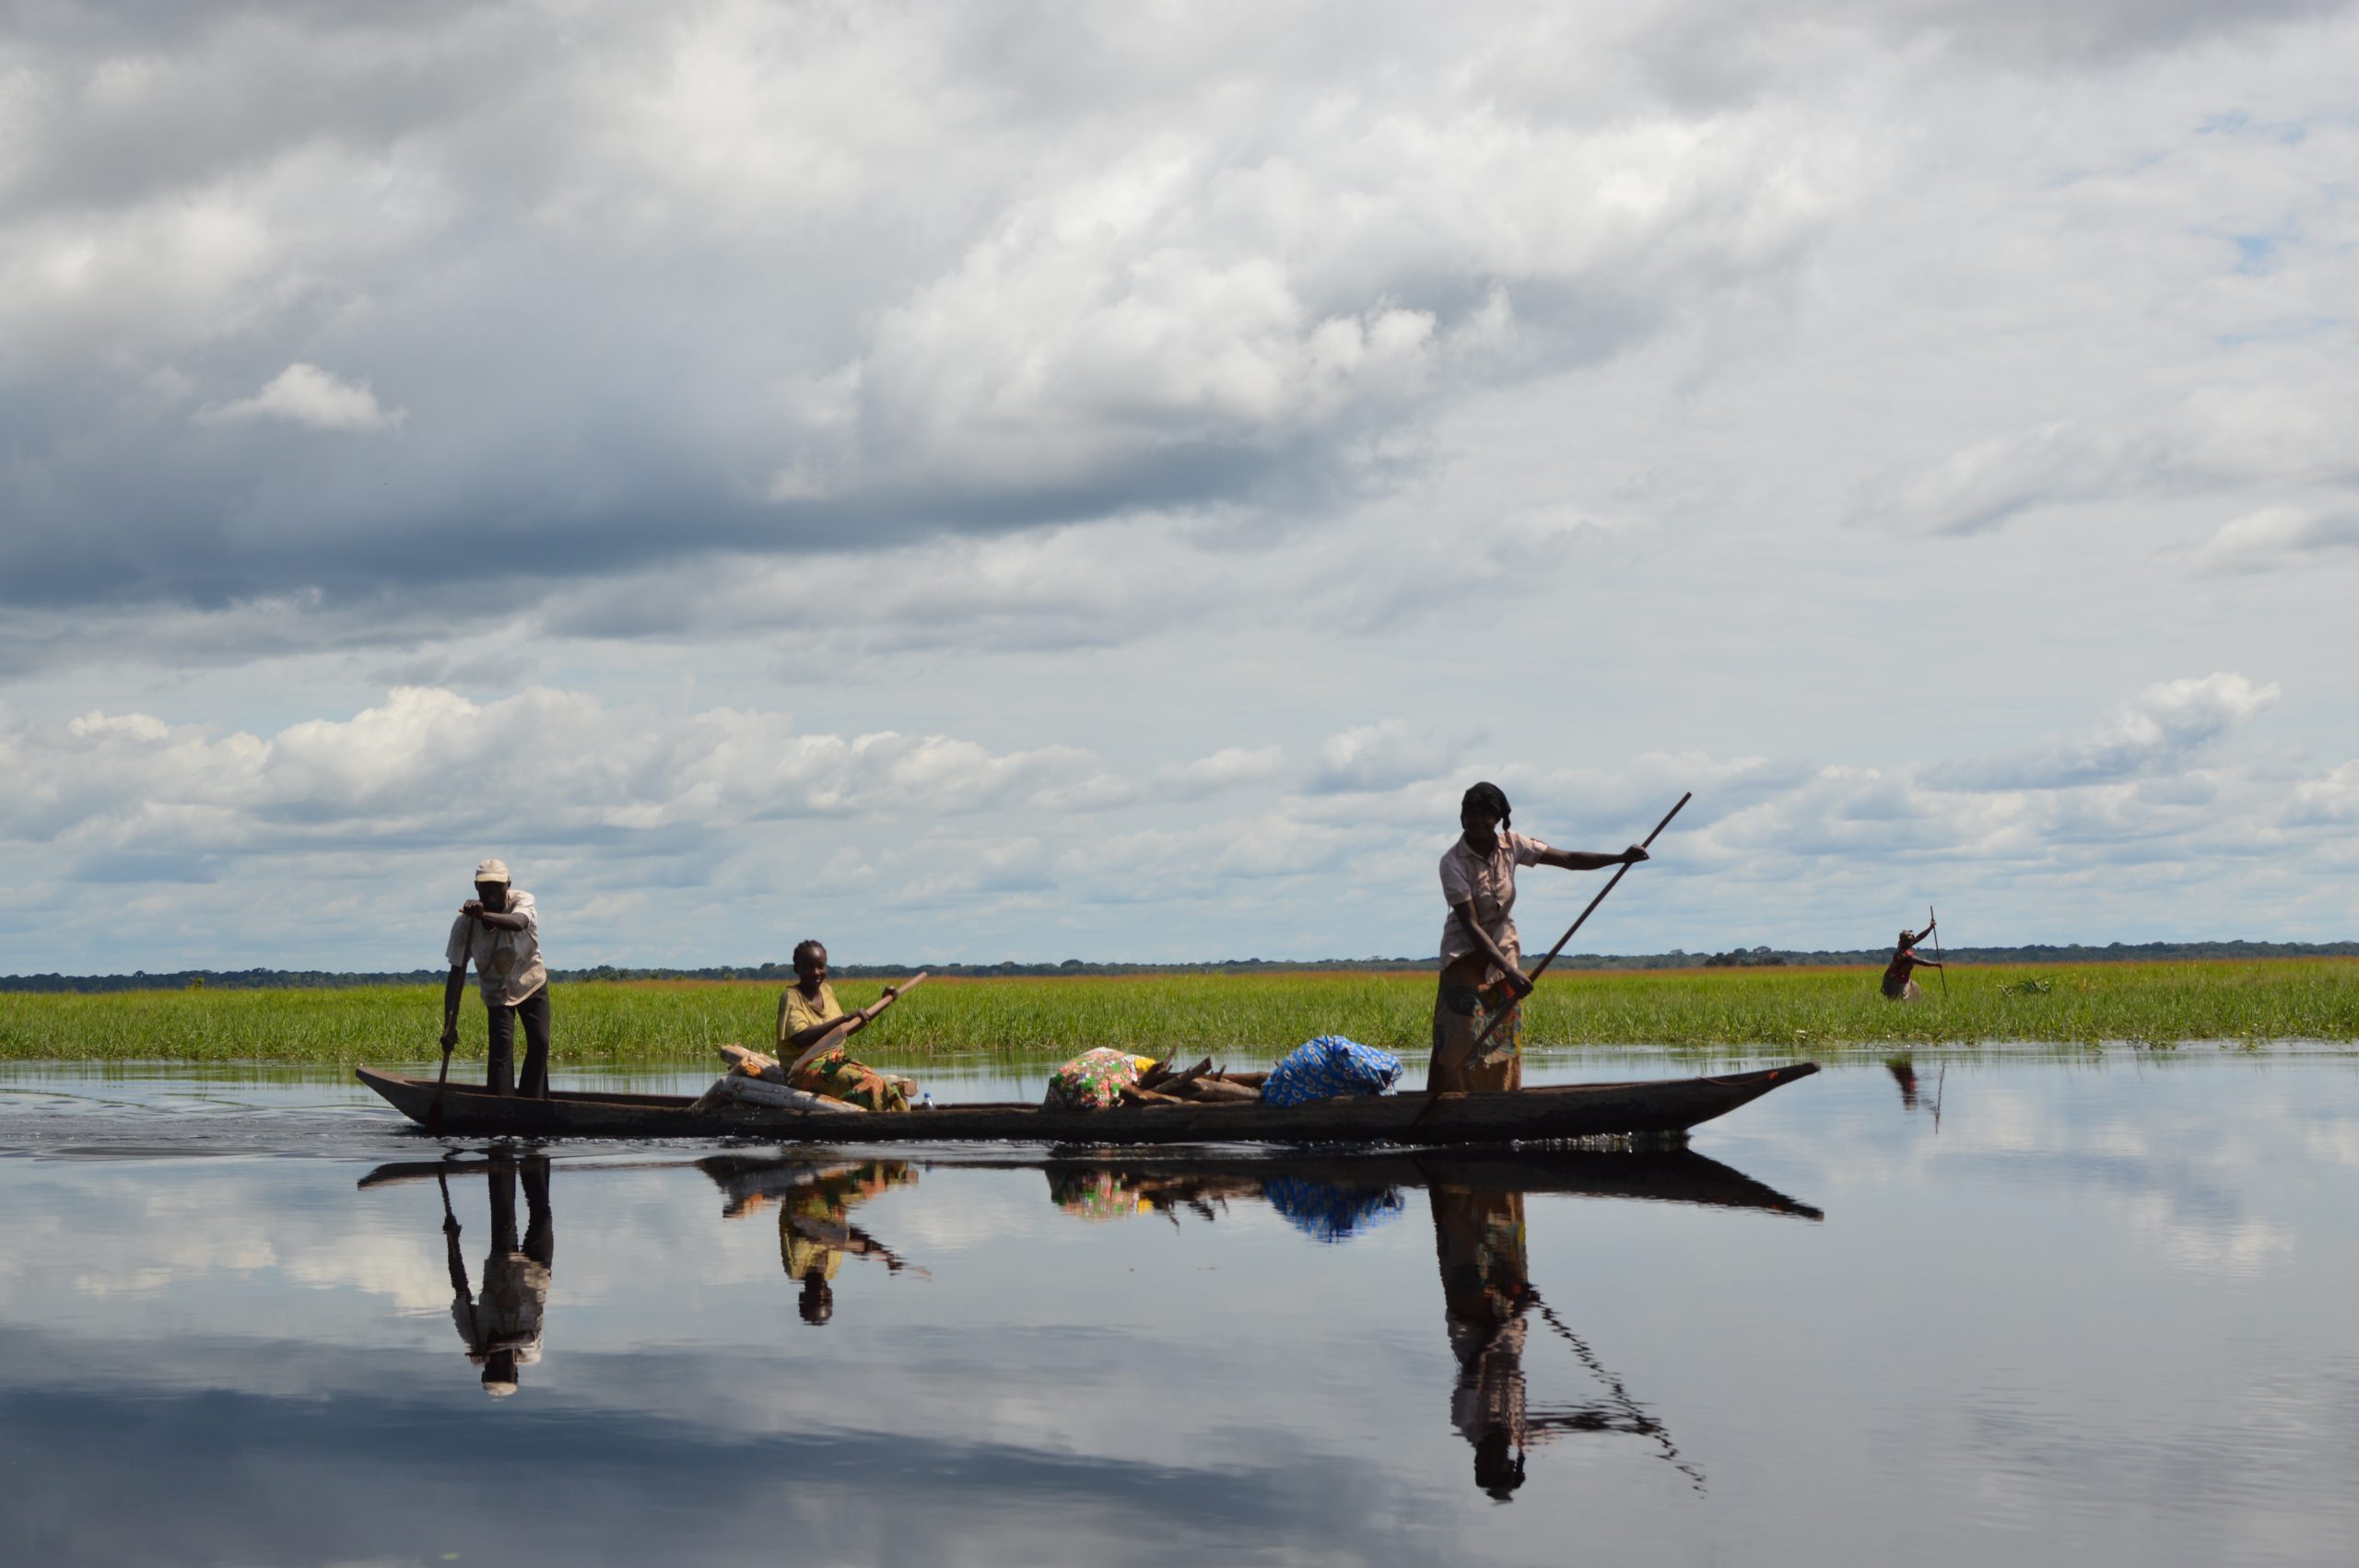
column 1501, row 1016
column 845, row 1030
column 1935, row 927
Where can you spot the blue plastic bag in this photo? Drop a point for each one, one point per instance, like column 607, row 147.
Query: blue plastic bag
column 1327, row 1066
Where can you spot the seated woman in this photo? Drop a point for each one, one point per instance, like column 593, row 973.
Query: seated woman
column 807, row 1009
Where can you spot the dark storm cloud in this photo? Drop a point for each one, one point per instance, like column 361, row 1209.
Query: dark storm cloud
column 244, row 83
column 2034, row 34
column 312, row 314
column 1717, row 49
column 564, row 304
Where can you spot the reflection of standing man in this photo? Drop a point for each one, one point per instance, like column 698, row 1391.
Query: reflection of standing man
column 500, row 929
column 501, row 1327
column 1485, row 1288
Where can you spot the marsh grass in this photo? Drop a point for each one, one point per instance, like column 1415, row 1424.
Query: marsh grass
column 1802, row 1011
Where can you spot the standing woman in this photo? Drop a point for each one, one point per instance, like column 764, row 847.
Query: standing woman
column 1482, row 962
column 1896, row 986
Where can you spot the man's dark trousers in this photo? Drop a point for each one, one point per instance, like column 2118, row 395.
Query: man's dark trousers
column 534, row 1011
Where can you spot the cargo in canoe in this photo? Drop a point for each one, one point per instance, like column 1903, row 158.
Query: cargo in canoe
column 1557, row 1112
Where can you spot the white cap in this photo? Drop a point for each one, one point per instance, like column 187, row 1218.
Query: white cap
column 492, row 871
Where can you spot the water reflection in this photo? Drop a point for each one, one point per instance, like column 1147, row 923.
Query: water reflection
column 501, row 1326
column 1488, row 1299
column 1336, row 1196
column 1904, row 1072
column 1328, row 1210
column 815, row 1233
column 272, row 1354
column 1903, row 1069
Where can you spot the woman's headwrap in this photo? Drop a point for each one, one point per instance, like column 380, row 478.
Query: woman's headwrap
column 1488, row 797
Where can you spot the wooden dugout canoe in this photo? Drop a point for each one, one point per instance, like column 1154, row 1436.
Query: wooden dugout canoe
column 1559, row 1111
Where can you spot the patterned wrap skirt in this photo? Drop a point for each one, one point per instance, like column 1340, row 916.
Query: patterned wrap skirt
column 839, row 1076
column 1461, row 1014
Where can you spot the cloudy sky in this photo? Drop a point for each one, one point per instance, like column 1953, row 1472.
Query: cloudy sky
column 1049, row 481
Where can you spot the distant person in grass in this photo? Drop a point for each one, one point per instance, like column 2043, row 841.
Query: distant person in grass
column 1898, row 986
column 499, row 930
column 807, row 1009
column 1481, row 971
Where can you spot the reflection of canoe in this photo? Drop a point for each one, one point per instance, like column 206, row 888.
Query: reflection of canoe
column 1670, row 1175
column 1560, row 1111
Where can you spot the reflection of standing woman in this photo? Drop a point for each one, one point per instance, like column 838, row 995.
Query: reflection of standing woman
column 1482, row 971
column 1485, row 1288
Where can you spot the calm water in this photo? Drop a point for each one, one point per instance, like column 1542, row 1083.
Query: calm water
column 2102, row 1314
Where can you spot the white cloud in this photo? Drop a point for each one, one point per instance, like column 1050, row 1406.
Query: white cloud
column 1379, row 757
column 2165, row 730
column 2277, row 536
column 1049, row 848
column 2220, row 439
column 429, row 764
column 305, row 394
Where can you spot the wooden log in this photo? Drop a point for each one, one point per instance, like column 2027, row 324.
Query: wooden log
column 736, row 1087
column 748, row 1063
column 1175, row 1084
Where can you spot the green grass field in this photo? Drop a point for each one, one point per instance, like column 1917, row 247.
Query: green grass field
column 1802, row 1010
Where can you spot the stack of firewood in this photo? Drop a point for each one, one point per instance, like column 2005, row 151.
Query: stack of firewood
column 1169, row 1083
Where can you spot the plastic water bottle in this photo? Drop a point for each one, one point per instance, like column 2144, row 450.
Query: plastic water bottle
column 925, row 1103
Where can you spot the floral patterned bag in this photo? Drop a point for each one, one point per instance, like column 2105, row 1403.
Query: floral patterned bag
column 1094, row 1081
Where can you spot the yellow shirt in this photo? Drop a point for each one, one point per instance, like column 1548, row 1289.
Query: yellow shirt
column 797, row 1012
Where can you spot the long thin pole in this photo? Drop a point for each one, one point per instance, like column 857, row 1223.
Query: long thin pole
column 1943, row 971
column 1537, row 969
column 1640, row 1422
column 434, row 1111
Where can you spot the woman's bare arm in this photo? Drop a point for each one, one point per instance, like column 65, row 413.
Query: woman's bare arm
column 1589, row 860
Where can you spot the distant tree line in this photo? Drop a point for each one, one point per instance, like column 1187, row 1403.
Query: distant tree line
column 782, row 972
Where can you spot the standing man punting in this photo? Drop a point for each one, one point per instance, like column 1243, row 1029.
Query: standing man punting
column 500, row 929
